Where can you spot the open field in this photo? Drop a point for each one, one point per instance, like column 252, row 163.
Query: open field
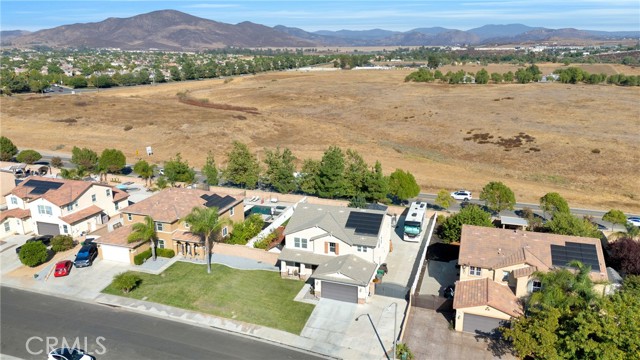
column 582, row 141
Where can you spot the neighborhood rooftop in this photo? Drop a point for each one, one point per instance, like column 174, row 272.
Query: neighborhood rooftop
column 59, row 192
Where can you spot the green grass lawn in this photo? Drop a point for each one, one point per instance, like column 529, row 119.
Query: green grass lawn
column 254, row 296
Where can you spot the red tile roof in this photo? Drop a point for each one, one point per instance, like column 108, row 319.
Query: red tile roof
column 186, row 236
column 15, row 213
column 484, row 292
column 118, row 237
column 69, row 192
column 81, row 215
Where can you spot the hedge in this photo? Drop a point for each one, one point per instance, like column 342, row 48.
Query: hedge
column 166, row 253
column 62, row 243
column 140, row 258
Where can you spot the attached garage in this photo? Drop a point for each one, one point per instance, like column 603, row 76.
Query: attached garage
column 480, row 324
column 48, row 229
column 341, row 292
column 115, row 253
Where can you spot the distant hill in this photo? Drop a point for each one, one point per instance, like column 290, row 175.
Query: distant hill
column 174, row 30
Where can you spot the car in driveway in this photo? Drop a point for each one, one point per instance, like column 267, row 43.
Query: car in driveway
column 69, row 354
column 634, row 220
column 63, row 268
column 86, row 255
column 45, row 239
column 461, row 195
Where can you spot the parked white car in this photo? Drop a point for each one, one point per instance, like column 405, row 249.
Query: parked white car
column 461, row 195
column 634, row 220
column 69, row 354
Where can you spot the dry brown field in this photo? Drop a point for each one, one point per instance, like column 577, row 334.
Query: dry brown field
column 582, row 141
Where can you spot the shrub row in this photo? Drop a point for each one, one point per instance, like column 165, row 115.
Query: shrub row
column 143, row 256
column 166, row 253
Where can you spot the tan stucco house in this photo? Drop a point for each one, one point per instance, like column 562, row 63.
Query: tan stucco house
column 167, row 208
column 339, row 248
column 497, row 267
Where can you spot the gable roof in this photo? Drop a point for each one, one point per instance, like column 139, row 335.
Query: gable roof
column 357, row 270
column 81, row 215
column 496, row 248
column 333, row 220
column 118, row 237
column 172, row 204
column 484, row 292
column 62, row 191
column 15, row 213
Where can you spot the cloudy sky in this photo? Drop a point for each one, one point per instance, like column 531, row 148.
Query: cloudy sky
column 608, row 15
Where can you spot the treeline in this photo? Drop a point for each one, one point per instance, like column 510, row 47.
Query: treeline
column 522, row 76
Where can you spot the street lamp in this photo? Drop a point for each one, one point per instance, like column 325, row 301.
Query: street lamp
column 395, row 325
column 376, row 331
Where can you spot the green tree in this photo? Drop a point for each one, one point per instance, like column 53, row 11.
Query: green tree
column 357, row 201
column 496, row 77
column 177, row 170
column 308, row 179
column 33, row 253
column 482, row 76
column 73, row 174
column 443, row 199
column 174, row 72
column 568, row 224
column 508, row 76
column 159, row 77
column 403, row 185
column 126, row 281
column 497, row 196
column 210, row 171
column 85, row 159
column 56, row 162
column 451, row 228
column 330, row 180
column 145, row 170
column 553, row 202
column 28, row 156
column 615, row 217
column 111, row 161
column 207, row 223
column 145, row 232
column 355, row 174
column 377, row 185
column 7, row 149
column 242, row 167
column 246, row 230
column 280, row 169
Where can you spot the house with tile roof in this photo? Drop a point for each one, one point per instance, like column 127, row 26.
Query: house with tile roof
column 497, row 269
column 338, row 248
column 59, row 206
column 168, row 208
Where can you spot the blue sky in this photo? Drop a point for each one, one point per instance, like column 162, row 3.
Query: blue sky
column 608, row 15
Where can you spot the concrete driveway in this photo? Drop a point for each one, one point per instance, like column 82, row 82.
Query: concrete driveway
column 9, row 260
column 437, row 276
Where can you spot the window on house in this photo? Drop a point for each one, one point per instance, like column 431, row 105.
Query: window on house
column 159, row 226
column 232, row 211
column 225, row 231
column 160, row 244
column 129, row 217
column 70, row 207
column 65, row 229
column 475, row 270
column 537, row 285
column 116, row 206
column 7, row 226
column 108, row 192
column 332, row 247
column 505, row 276
column 360, row 248
column 44, row 209
column 14, row 201
column 300, row 243
column 93, row 198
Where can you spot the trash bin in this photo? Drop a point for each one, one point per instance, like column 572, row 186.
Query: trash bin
column 403, row 356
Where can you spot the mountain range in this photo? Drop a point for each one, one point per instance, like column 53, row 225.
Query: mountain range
column 175, row 30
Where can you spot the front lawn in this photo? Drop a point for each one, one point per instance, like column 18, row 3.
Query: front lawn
column 254, row 296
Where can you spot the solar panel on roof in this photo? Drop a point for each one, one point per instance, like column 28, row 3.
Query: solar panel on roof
column 40, row 187
column 585, row 253
column 216, row 200
column 364, row 223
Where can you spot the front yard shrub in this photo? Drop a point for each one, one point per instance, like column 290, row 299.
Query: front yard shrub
column 264, row 243
column 126, row 281
column 140, row 258
column 33, row 253
column 62, row 243
column 28, row 156
column 166, row 253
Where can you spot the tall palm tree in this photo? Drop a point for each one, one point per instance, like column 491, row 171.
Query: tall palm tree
column 206, row 222
column 145, row 231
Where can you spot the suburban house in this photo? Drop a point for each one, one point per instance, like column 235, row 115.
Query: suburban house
column 58, row 206
column 167, row 208
column 497, row 266
column 339, row 248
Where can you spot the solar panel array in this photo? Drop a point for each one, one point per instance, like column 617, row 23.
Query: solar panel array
column 40, row 187
column 364, row 223
column 217, row 201
column 585, row 253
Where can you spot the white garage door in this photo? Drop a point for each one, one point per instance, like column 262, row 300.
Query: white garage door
column 340, row 292
column 115, row 253
column 477, row 324
column 48, row 229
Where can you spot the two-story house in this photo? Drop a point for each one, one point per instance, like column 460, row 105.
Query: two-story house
column 339, row 248
column 497, row 268
column 168, row 208
column 58, row 206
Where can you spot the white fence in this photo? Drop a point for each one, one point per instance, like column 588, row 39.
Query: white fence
column 284, row 216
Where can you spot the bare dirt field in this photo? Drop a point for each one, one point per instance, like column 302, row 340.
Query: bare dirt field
column 582, row 141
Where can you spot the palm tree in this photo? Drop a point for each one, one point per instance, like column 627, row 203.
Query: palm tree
column 145, row 170
column 145, row 231
column 206, row 222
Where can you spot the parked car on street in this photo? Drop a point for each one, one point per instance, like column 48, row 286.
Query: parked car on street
column 69, row 354
column 634, row 220
column 63, row 268
column 461, row 195
column 86, row 255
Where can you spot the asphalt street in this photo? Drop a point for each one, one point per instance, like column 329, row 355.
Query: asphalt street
column 32, row 322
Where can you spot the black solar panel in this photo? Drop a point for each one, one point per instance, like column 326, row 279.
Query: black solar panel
column 217, row 201
column 585, row 253
column 40, row 187
column 364, row 223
